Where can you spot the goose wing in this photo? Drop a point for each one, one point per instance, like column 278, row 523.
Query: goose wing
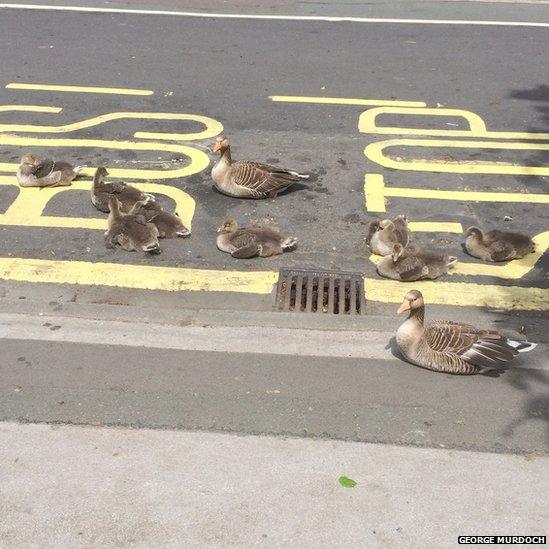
column 479, row 347
column 410, row 268
column 500, row 250
column 246, row 243
column 113, row 187
column 262, row 178
column 44, row 168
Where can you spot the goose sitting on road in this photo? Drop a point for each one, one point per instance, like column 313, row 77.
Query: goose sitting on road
column 252, row 241
column 102, row 192
column 411, row 263
column 169, row 225
column 497, row 245
column 452, row 347
column 383, row 234
column 245, row 179
column 34, row 172
column 131, row 231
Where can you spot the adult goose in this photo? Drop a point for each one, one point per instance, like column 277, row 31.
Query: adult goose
column 245, row 179
column 101, row 193
column 33, row 172
column 383, row 234
column 252, row 241
column 497, row 245
column 452, row 347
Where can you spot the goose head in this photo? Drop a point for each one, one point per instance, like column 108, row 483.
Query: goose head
column 101, row 172
column 475, row 232
column 398, row 249
column 386, row 224
column 221, row 144
column 229, row 226
column 29, row 160
column 114, row 204
column 412, row 300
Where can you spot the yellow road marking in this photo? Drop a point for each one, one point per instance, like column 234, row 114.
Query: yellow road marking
column 258, row 282
column 435, row 226
column 440, row 292
column 27, row 208
column 374, row 152
column 511, row 270
column 477, row 127
column 375, row 192
column 212, row 127
column 77, row 89
column 136, row 276
column 29, row 108
column 198, row 160
column 345, row 101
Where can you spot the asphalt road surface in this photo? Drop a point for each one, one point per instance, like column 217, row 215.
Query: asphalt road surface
column 259, row 82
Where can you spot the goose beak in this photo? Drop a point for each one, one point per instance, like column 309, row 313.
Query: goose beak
column 216, row 147
column 404, row 307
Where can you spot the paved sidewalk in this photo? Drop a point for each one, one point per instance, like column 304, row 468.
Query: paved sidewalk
column 66, row 486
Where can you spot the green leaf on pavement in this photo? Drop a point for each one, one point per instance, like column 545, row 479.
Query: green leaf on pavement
column 347, row 482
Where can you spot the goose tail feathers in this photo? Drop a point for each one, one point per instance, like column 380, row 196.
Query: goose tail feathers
column 300, row 175
column 522, row 346
column 289, row 244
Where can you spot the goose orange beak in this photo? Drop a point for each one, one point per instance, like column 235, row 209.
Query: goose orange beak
column 404, row 307
column 216, row 147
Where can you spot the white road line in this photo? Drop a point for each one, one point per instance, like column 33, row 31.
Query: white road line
column 83, row 9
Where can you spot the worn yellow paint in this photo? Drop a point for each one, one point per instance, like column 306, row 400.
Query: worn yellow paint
column 77, row 89
column 29, row 108
column 26, row 210
column 477, row 126
column 512, row 270
column 136, row 276
column 375, row 152
column 375, row 192
column 259, row 282
column 440, row 292
column 212, row 126
column 198, row 159
column 435, row 226
column 345, row 101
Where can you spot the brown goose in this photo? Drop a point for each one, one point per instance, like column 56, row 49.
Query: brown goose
column 169, row 225
column 252, row 241
column 127, row 195
column 411, row 263
column 131, row 231
column 245, row 179
column 452, row 347
column 497, row 245
column 383, row 234
column 34, row 172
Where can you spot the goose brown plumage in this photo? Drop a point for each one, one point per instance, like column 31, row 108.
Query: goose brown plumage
column 497, row 245
column 252, row 241
column 411, row 264
column 131, row 231
column 452, row 347
column 169, row 225
column 246, row 179
column 383, row 234
column 33, row 172
column 101, row 192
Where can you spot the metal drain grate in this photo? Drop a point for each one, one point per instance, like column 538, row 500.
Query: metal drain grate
column 331, row 292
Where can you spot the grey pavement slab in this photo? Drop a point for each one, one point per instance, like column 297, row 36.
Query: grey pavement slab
column 66, row 486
